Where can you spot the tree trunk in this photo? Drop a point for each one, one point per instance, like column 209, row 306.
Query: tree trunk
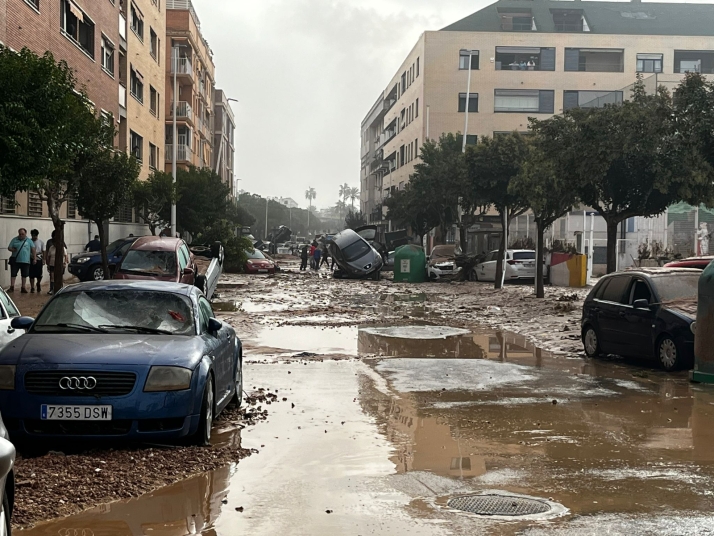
column 611, row 246
column 498, row 280
column 53, row 206
column 540, row 290
column 103, row 242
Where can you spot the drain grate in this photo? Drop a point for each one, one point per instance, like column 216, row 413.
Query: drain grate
column 499, row 505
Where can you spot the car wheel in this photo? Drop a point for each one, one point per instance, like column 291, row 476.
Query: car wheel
column 5, row 514
column 474, row 275
column 203, row 434
column 377, row 275
column 237, row 400
column 201, row 283
column 591, row 342
column 668, row 354
column 98, row 274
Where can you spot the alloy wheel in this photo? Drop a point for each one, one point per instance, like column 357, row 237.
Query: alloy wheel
column 98, row 274
column 668, row 353
column 591, row 342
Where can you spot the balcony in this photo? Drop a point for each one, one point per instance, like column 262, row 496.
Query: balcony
column 183, row 68
column 184, row 112
column 122, row 101
column 184, row 153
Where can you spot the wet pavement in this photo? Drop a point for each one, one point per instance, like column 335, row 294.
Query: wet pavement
column 386, row 422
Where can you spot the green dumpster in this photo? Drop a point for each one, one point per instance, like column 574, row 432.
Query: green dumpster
column 410, row 264
column 704, row 329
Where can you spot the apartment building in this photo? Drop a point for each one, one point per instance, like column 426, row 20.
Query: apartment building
column 195, row 81
column 526, row 58
column 224, row 141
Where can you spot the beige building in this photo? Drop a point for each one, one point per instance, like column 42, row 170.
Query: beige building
column 528, row 59
column 195, row 80
column 224, row 140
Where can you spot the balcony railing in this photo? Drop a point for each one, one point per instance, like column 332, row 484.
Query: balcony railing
column 517, row 27
column 183, row 153
column 183, row 111
column 182, row 66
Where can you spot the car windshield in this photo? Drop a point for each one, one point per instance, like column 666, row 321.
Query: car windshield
column 355, row 250
column 149, row 262
column 112, row 311
column 676, row 286
column 523, row 255
column 116, row 245
column 255, row 254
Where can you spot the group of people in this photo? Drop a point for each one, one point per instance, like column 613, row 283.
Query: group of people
column 523, row 65
column 28, row 255
column 318, row 255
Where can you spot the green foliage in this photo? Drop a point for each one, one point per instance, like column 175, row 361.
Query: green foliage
column 235, row 247
column 409, row 209
column 152, row 200
column 354, row 220
column 202, row 199
column 278, row 214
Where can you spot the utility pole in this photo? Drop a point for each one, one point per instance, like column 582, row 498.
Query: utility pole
column 468, row 95
column 266, row 217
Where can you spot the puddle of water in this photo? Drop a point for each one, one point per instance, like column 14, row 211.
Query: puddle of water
column 250, row 306
column 313, row 339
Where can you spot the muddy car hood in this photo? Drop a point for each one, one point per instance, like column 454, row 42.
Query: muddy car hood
column 441, row 260
column 112, row 349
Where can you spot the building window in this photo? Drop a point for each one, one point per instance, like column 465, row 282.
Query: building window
column 471, row 139
column 108, row 55
column 72, row 206
column 473, row 102
column 517, row 20
column 464, row 60
column 694, row 61
column 153, row 101
column 137, row 22
column 137, row 146
column 77, row 26
column 416, row 109
column 417, row 67
column 34, row 3
column 137, row 85
column 154, row 43
column 7, row 205
column 595, row 60
column 649, row 63
column 570, row 20
column 590, row 99
column 124, row 214
column 525, row 59
column 524, row 100
column 34, row 204
column 153, row 156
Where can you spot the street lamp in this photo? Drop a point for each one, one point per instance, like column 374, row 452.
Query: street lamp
column 471, row 54
column 175, row 53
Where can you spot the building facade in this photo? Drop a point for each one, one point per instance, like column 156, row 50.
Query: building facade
column 195, row 81
column 525, row 59
column 224, row 141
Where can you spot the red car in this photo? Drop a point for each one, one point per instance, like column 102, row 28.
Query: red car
column 158, row 259
column 700, row 263
column 257, row 263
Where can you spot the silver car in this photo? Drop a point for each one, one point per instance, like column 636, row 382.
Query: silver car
column 354, row 256
column 7, row 480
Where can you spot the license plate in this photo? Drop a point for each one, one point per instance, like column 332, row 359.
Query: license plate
column 263, row 271
column 75, row 413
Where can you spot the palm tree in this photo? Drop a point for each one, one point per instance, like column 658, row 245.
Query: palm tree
column 310, row 194
column 344, row 192
column 353, row 194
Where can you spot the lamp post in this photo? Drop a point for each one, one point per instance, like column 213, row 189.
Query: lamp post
column 468, row 94
column 266, row 217
column 175, row 53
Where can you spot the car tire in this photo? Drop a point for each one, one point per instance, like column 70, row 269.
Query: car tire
column 474, row 275
column 377, row 275
column 591, row 342
column 201, row 283
column 97, row 274
column 237, row 399
column 5, row 515
column 202, row 437
column 669, row 354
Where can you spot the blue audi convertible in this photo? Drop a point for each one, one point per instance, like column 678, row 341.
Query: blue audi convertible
column 140, row 360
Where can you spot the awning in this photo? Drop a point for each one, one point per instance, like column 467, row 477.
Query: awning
column 518, row 50
column 649, row 56
column 76, row 11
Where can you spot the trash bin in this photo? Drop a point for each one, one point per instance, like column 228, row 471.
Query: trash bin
column 410, row 264
column 704, row 329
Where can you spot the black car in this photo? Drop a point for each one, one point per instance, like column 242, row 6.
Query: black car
column 643, row 313
column 88, row 266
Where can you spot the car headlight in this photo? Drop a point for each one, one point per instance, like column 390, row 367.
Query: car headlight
column 7, row 377
column 168, row 379
column 81, row 260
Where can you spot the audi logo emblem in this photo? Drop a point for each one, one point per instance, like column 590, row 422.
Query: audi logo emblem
column 80, row 383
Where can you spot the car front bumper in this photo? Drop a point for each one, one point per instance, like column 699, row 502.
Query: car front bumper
column 81, row 271
column 436, row 272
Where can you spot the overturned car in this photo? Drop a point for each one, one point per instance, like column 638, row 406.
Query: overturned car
column 355, row 257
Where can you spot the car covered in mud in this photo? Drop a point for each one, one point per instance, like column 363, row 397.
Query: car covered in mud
column 442, row 263
column 355, row 257
column 520, row 265
column 643, row 313
column 139, row 360
column 157, row 258
column 258, row 262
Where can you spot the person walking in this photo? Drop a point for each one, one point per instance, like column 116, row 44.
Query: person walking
column 311, row 254
column 22, row 255
column 36, row 267
column 303, row 258
column 317, row 255
column 93, row 245
column 51, row 255
column 325, row 256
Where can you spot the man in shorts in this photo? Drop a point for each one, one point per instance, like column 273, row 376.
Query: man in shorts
column 22, row 251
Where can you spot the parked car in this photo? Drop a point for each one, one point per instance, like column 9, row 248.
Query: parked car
column 442, row 263
column 158, row 259
column 142, row 360
column 389, row 262
column 258, row 263
column 700, row 263
column 646, row 312
column 355, row 257
column 88, row 266
column 8, row 311
column 520, row 264
column 7, row 480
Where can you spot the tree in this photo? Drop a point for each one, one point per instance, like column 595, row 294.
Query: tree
column 623, row 160
column 203, row 199
column 353, row 195
column 310, row 195
column 278, row 214
column 547, row 194
column 152, row 200
column 344, row 192
column 340, row 207
column 492, row 166
column 48, row 133
column 355, row 220
column 408, row 208
column 104, row 185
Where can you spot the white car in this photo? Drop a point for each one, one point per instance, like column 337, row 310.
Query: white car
column 8, row 311
column 442, row 263
column 520, row 264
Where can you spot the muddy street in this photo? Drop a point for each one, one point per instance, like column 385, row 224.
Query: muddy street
column 394, row 400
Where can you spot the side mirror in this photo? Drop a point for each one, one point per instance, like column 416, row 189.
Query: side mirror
column 214, row 326
column 641, row 304
column 22, row 322
column 188, row 271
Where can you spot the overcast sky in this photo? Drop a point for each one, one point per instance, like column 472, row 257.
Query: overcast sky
column 306, row 72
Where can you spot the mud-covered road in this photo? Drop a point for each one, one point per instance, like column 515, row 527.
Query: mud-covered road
column 401, row 397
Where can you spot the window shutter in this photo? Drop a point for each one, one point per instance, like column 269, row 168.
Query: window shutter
column 547, row 59
column 570, row 100
column 572, row 59
column 546, row 103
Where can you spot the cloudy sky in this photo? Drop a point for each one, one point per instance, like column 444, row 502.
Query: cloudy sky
column 306, row 72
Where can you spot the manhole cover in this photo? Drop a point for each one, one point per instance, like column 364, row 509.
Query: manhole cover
column 499, row 505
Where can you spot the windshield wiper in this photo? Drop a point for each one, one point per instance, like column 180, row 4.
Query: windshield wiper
column 80, row 327
column 140, row 329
